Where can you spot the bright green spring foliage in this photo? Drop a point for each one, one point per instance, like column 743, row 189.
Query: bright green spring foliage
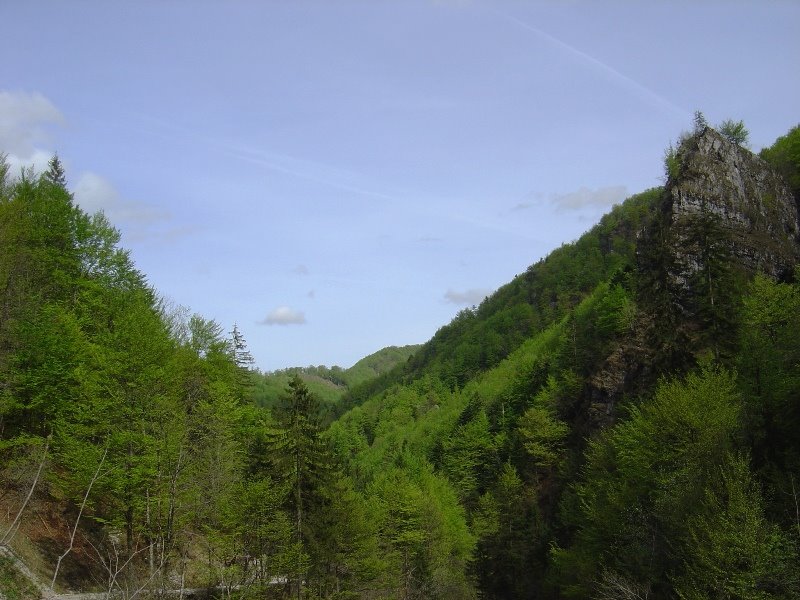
column 732, row 550
column 735, row 131
column 575, row 436
column 666, row 506
column 143, row 408
column 784, row 156
column 645, row 477
column 477, row 340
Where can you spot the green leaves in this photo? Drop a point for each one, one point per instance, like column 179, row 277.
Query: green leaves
column 735, row 132
column 732, row 551
column 543, row 436
column 784, row 156
column 645, row 477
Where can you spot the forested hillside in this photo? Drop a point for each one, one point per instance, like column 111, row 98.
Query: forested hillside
column 620, row 421
column 330, row 384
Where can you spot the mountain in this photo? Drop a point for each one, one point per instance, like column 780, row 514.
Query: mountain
column 330, row 384
column 622, row 420
column 589, row 417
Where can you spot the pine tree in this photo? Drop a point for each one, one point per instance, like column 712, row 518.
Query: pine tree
column 244, row 362
column 55, row 172
column 301, row 459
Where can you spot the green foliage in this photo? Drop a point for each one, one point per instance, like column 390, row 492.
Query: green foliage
column 13, row 584
column 476, row 341
column 645, row 477
column 784, row 156
column 735, row 132
column 507, row 521
column 769, row 362
column 148, row 426
column 472, row 466
column 672, row 163
column 469, row 455
column 543, row 436
column 338, row 389
column 700, row 122
column 425, row 539
column 732, row 551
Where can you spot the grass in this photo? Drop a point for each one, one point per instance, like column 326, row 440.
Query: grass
column 14, row 585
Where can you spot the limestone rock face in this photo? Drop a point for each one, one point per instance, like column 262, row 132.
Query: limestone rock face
column 750, row 207
column 724, row 215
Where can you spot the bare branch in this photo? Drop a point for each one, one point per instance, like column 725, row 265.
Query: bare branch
column 12, row 529
column 78, row 519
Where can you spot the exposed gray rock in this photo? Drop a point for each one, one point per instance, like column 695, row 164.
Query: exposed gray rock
column 749, row 204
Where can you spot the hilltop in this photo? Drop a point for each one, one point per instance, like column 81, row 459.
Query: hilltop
column 330, row 384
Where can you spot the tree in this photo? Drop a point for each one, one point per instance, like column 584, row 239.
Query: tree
column 700, row 122
column 543, row 436
column 344, row 549
column 55, row 172
column 769, row 364
column 301, row 460
column 735, row 132
column 506, row 521
column 732, row 550
column 243, row 360
column 645, row 479
column 784, row 156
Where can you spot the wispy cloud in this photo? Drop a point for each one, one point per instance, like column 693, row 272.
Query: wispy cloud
column 139, row 220
column 470, row 297
column 584, row 197
column 25, row 122
column 307, row 170
column 301, row 168
column 24, row 117
column 300, row 270
column 283, row 315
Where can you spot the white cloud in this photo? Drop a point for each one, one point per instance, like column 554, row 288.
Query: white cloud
column 23, row 120
column 39, row 160
column 283, row 315
column 586, row 198
column 93, row 193
column 469, row 297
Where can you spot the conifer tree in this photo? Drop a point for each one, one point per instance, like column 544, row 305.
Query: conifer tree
column 243, row 360
column 301, row 459
column 55, row 172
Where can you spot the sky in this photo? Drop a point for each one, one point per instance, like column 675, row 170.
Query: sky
column 335, row 177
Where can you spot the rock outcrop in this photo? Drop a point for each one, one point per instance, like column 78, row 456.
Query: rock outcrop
column 724, row 215
column 726, row 191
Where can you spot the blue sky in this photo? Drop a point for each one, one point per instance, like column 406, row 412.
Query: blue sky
column 336, row 177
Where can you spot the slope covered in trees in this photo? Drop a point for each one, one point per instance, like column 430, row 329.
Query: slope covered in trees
column 617, row 449
column 619, row 421
column 329, row 384
column 132, row 454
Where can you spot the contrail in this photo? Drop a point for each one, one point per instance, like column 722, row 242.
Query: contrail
column 624, row 80
column 321, row 174
column 307, row 174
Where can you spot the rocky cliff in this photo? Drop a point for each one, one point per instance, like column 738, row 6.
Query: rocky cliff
column 723, row 194
column 724, row 215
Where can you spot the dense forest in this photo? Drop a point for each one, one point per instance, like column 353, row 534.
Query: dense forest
column 620, row 421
